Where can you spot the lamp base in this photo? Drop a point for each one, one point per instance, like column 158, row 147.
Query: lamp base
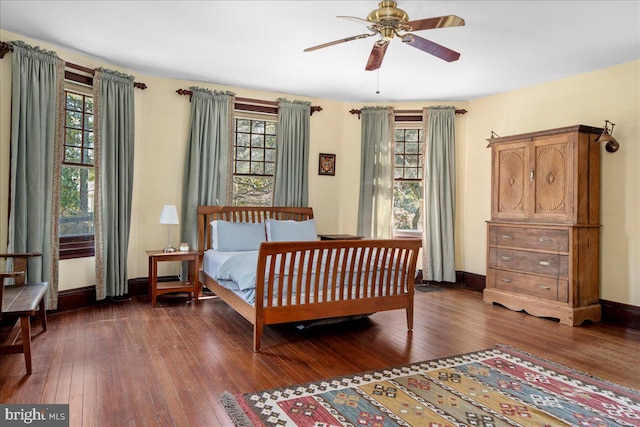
column 169, row 250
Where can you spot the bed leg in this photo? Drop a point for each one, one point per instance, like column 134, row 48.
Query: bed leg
column 410, row 318
column 257, row 334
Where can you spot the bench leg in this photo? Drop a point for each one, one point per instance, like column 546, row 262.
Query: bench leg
column 25, row 328
column 43, row 316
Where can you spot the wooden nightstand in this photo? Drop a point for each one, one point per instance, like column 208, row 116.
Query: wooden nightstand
column 339, row 237
column 192, row 285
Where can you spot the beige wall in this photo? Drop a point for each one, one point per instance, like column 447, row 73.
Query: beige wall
column 589, row 99
column 162, row 118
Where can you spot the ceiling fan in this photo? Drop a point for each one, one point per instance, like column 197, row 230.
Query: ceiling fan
column 388, row 21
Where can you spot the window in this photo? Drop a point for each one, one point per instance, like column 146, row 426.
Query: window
column 407, row 188
column 77, row 178
column 254, row 159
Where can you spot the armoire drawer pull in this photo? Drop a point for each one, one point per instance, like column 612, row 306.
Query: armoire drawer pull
column 506, row 258
column 507, row 236
column 506, row 280
column 545, row 288
column 545, row 263
column 545, row 240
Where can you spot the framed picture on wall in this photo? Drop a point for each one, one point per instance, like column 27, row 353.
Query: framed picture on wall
column 327, row 164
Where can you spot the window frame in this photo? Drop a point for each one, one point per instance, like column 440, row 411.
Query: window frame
column 406, row 125
column 253, row 116
column 79, row 246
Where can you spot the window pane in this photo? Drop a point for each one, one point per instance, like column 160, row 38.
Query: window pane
column 74, row 138
column 257, row 168
column 411, row 160
column 411, row 173
column 257, row 126
column 242, row 139
column 242, row 167
column 72, row 154
column 257, row 140
column 270, row 155
column 76, row 201
column 406, row 205
column 87, row 156
column 270, row 141
column 74, row 119
column 88, row 104
column 74, row 102
column 411, row 135
column 243, row 125
column 252, row 191
column 269, row 168
column 411, row 147
column 257, row 155
column 243, row 153
column 88, row 139
column 270, row 128
column 88, row 121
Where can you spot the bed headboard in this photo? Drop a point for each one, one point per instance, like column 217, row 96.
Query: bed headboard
column 206, row 214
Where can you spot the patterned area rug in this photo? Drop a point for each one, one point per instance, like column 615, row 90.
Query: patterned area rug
column 496, row 387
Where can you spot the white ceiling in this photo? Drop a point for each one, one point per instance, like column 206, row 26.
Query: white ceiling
column 505, row 45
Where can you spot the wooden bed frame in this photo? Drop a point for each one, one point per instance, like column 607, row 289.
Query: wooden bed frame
column 368, row 292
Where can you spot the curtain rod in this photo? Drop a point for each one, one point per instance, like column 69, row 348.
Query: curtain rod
column 251, row 104
column 403, row 112
column 7, row 47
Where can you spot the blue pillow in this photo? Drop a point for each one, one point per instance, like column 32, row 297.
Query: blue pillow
column 228, row 236
column 290, row 230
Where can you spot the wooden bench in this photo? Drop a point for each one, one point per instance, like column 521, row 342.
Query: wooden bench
column 21, row 301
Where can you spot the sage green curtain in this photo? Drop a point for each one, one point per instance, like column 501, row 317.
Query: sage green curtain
column 207, row 173
column 114, row 155
column 439, row 194
column 375, row 205
column 292, row 164
column 37, row 114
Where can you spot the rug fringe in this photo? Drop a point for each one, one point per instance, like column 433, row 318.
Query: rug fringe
column 235, row 412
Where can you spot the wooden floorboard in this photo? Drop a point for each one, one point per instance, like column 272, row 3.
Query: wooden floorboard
column 129, row 364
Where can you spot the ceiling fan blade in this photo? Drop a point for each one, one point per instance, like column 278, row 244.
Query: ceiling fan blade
column 376, row 56
column 437, row 22
column 348, row 39
column 431, row 47
column 356, row 20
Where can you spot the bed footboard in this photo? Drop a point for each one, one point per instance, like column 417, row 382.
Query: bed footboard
column 322, row 279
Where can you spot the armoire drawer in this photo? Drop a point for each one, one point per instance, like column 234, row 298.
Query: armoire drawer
column 531, row 262
column 542, row 287
column 547, row 239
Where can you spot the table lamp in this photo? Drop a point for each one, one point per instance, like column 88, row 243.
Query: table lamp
column 169, row 216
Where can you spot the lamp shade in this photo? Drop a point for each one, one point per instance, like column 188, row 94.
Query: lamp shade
column 169, row 215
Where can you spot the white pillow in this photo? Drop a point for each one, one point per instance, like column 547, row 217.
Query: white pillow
column 290, row 230
column 229, row 236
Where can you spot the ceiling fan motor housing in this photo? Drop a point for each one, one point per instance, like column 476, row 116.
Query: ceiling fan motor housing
column 388, row 14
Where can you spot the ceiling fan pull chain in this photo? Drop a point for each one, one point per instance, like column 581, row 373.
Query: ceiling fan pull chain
column 378, row 82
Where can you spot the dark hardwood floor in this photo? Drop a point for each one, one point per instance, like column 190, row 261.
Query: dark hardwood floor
column 128, row 364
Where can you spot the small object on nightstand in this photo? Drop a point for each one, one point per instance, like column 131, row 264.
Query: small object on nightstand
column 184, row 247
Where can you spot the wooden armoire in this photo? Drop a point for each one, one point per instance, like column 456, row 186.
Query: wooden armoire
column 543, row 237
